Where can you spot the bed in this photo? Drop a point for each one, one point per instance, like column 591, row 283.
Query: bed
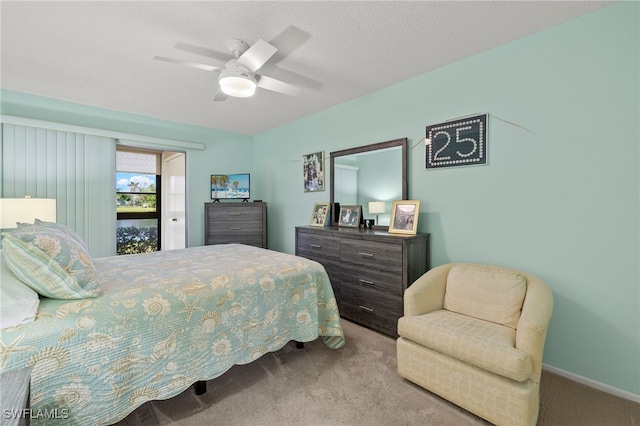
column 163, row 321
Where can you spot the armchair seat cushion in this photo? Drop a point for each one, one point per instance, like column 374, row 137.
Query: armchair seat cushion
column 484, row 344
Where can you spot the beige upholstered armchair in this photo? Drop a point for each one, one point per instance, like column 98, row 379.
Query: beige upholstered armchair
column 474, row 334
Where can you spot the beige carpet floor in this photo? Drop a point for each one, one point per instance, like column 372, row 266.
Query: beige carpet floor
column 356, row 385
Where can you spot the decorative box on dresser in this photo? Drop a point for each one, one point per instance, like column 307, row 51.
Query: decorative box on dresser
column 369, row 270
column 243, row 223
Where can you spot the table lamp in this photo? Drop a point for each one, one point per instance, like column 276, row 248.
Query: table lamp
column 26, row 210
column 376, row 207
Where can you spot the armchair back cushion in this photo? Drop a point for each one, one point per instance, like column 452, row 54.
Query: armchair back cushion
column 486, row 292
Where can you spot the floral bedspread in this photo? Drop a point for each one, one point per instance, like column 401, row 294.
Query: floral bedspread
column 164, row 321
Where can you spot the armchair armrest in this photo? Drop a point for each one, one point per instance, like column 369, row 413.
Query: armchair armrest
column 426, row 294
column 534, row 322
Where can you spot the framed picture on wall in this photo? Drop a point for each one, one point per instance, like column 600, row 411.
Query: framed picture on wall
column 320, row 214
column 404, row 217
column 313, row 171
column 456, row 143
column 350, row 216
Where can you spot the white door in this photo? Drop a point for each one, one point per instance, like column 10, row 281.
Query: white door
column 174, row 226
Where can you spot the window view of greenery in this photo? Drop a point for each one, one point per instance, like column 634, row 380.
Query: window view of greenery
column 136, row 206
column 137, row 236
column 136, row 192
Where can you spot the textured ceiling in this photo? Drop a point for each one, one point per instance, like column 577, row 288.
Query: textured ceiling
column 101, row 53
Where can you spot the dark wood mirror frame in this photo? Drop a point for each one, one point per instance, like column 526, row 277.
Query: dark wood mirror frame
column 367, row 148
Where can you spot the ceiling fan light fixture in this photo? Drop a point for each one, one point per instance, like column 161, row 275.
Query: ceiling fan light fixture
column 237, row 84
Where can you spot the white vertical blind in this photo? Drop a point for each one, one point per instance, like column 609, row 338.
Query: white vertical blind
column 345, row 184
column 77, row 170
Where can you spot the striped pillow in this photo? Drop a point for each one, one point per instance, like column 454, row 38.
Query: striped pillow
column 51, row 262
column 60, row 227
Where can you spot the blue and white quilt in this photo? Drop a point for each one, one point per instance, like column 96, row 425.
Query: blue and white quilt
column 164, row 321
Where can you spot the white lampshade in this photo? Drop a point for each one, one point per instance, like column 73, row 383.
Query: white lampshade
column 239, row 85
column 376, row 207
column 26, row 210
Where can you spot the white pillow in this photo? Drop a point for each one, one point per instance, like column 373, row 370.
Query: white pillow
column 18, row 303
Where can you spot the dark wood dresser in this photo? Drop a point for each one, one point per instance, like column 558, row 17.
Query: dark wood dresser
column 369, row 270
column 242, row 223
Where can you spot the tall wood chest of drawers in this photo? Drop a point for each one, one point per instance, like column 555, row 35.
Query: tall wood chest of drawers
column 243, row 223
column 369, row 270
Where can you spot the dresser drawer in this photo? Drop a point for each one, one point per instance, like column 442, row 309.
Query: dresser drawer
column 374, row 256
column 373, row 278
column 234, row 214
column 318, row 246
column 247, row 239
column 371, row 308
column 234, row 228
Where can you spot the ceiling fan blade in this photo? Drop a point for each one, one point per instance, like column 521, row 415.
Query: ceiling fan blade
column 274, row 85
column 203, row 51
column 295, row 78
column 288, row 41
column 188, row 64
column 220, row 96
column 257, row 55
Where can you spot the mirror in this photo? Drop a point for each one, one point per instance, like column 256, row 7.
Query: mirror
column 376, row 172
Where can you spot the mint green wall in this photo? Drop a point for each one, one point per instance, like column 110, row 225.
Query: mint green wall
column 224, row 152
column 560, row 199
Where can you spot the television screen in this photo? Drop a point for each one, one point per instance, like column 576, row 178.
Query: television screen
column 230, row 186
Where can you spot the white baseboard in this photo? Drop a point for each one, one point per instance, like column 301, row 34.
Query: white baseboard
column 592, row 383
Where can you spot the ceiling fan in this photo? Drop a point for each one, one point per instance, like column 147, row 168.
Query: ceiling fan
column 238, row 77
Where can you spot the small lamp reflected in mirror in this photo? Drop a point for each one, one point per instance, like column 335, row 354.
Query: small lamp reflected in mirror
column 377, row 207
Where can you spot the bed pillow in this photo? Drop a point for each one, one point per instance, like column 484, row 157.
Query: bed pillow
column 18, row 303
column 51, row 262
column 62, row 228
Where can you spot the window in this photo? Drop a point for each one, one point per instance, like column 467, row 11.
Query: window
column 137, row 201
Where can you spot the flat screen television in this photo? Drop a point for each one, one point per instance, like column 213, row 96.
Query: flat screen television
column 232, row 186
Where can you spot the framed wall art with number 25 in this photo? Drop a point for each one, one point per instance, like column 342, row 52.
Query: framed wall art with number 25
column 457, row 143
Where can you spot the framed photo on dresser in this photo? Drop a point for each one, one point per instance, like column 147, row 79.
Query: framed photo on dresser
column 350, row 216
column 320, row 214
column 404, row 217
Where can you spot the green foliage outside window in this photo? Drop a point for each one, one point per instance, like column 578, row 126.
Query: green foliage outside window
column 132, row 239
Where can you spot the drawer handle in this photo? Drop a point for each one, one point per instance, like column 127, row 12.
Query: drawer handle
column 365, row 308
column 367, row 282
column 365, row 254
column 234, row 229
column 315, row 245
